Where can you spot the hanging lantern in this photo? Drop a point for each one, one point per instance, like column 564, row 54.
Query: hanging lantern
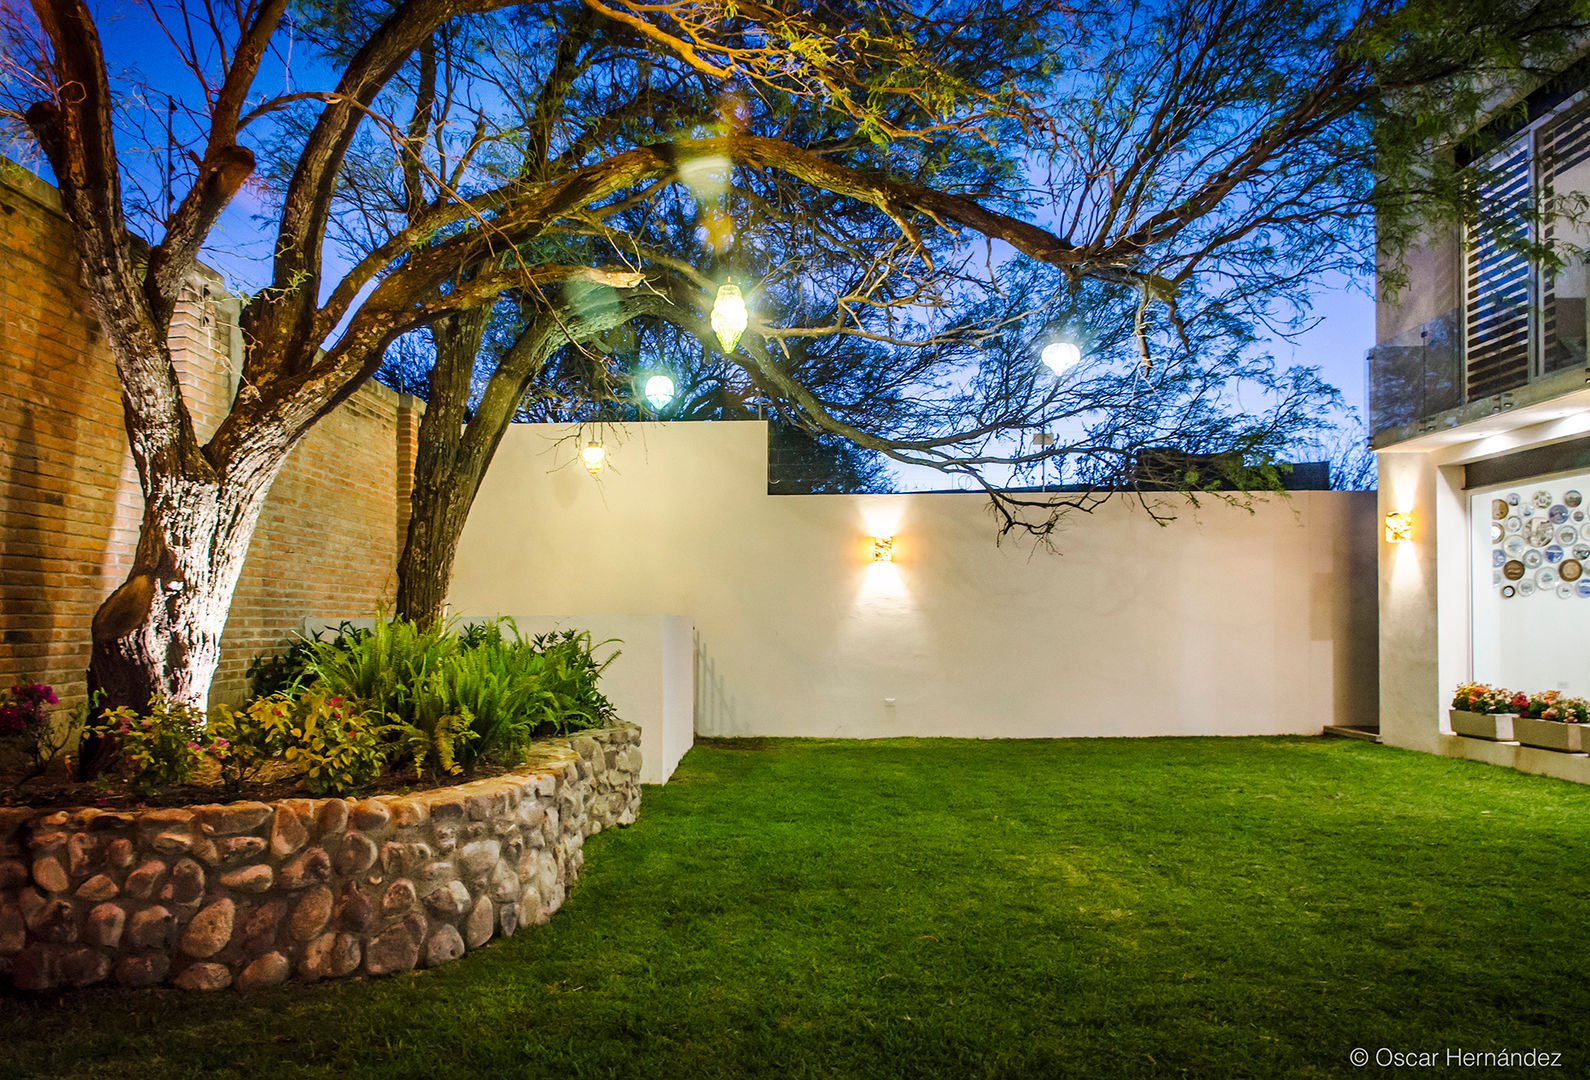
column 659, row 390
column 593, row 455
column 728, row 316
column 1060, row 356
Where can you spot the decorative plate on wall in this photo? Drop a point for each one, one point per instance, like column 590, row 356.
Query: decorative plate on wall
column 1572, row 498
column 1497, row 532
column 1546, row 577
column 1557, row 514
column 1540, row 532
column 1515, row 546
column 1512, row 498
column 1513, row 570
column 1526, row 588
column 1508, row 591
column 1565, row 535
column 1583, row 588
column 1571, row 569
column 1496, row 578
column 1554, row 554
column 1541, row 499
column 1498, row 557
column 1515, row 525
column 1499, row 508
column 1564, row 591
column 1533, row 558
column 1582, row 552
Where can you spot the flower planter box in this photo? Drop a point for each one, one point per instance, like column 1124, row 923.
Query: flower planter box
column 1547, row 734
column 1498, row 727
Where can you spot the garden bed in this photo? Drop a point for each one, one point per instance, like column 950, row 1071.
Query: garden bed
column 252, row 893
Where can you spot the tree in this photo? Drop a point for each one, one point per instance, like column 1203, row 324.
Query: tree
column 1179, row 164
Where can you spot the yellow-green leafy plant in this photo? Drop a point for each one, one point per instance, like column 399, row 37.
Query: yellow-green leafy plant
column 332, row 745
column 243, row 741
column 158, row 749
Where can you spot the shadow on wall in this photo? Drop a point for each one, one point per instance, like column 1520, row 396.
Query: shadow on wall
column 715, row 711
column 30, row 617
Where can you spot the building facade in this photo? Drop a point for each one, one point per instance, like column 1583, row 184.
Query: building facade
column 1479, row 395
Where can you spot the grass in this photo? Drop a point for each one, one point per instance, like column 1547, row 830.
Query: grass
column 948, row 908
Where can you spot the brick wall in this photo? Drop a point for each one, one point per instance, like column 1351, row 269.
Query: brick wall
column 326, row 547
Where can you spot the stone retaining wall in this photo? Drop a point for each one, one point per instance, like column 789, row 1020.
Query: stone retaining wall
column 249, row 894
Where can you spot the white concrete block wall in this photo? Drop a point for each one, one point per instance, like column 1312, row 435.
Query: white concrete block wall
column 1224, row 622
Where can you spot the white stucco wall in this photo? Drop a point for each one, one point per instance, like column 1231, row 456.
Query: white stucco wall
column 1222, row 623
column 1425, row 583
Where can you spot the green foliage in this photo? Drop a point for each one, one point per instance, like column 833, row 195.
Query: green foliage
column 332, row 744
column 243, row 741
column 383, row 667
column 568, row 672
column 159, row 749
column 287, row 671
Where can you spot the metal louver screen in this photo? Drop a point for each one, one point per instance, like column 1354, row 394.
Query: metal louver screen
column 1497, row 302
column 1565, row 146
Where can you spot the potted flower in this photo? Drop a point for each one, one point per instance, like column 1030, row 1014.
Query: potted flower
column 1482, row 711
column 1551, row 721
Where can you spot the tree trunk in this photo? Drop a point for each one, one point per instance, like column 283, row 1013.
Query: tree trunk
column 160, row 632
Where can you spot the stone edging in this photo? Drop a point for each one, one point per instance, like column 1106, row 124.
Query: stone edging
column 249, row 894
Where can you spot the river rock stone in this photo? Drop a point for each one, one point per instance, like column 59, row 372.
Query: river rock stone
column 151, row 928
column 54, row 920
column 143, row 969
column 356, row 855
column 235, row 849
column 508, row 918
column 119, row 854
column 443, row 945
column 142, row 881
column 311, row 914
column 313, row 867
column 258, row 928
column 394, row 949
column 83, row 853
column 479, row 857
column 233, row 818
column 448, row 902
column 330, row 955
column 333, row 818
column 249, row 879
column 409, row 812
column 83, row 966
column 186, row 885
column 50, row 875
column 98, row 887
column 504, row 882
column 173, row 842
column 268, row 970
column 288, row 834
column 104, row 925
column 400, row 858
column 355, row 911
column 369, row 814
column 209, row 931
column 399, row 897
column 203, row 977
column 480, row 923
column 13, row 872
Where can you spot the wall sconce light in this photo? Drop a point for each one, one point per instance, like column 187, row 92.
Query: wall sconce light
column 883, row 549
column 1399, row 527
column 593, row 455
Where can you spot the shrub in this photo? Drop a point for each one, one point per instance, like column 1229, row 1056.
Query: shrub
column 159, row 749
column 288, row 671
column 569, row 672
column 243, row 741
column 25, row 721
column 332, row 745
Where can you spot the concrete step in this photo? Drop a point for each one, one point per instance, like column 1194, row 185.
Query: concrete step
column 1368, row 734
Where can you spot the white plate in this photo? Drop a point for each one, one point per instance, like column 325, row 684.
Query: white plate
column 1526, row 588
column 1541, row 499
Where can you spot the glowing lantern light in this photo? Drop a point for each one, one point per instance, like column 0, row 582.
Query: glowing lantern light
column 1059, row 356
column 883, row 549
column 659, row 390
column 1399, row 527
column 728, row 316
column 593, row 455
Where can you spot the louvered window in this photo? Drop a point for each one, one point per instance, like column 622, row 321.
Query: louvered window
column 1517, row 320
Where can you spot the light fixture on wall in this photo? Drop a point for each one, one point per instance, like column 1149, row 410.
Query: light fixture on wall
column 594, row 455
column 1399, row 527
column 883, row 549
column 728, row 316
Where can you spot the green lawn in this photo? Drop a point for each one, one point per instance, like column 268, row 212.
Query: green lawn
column 949, row 908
